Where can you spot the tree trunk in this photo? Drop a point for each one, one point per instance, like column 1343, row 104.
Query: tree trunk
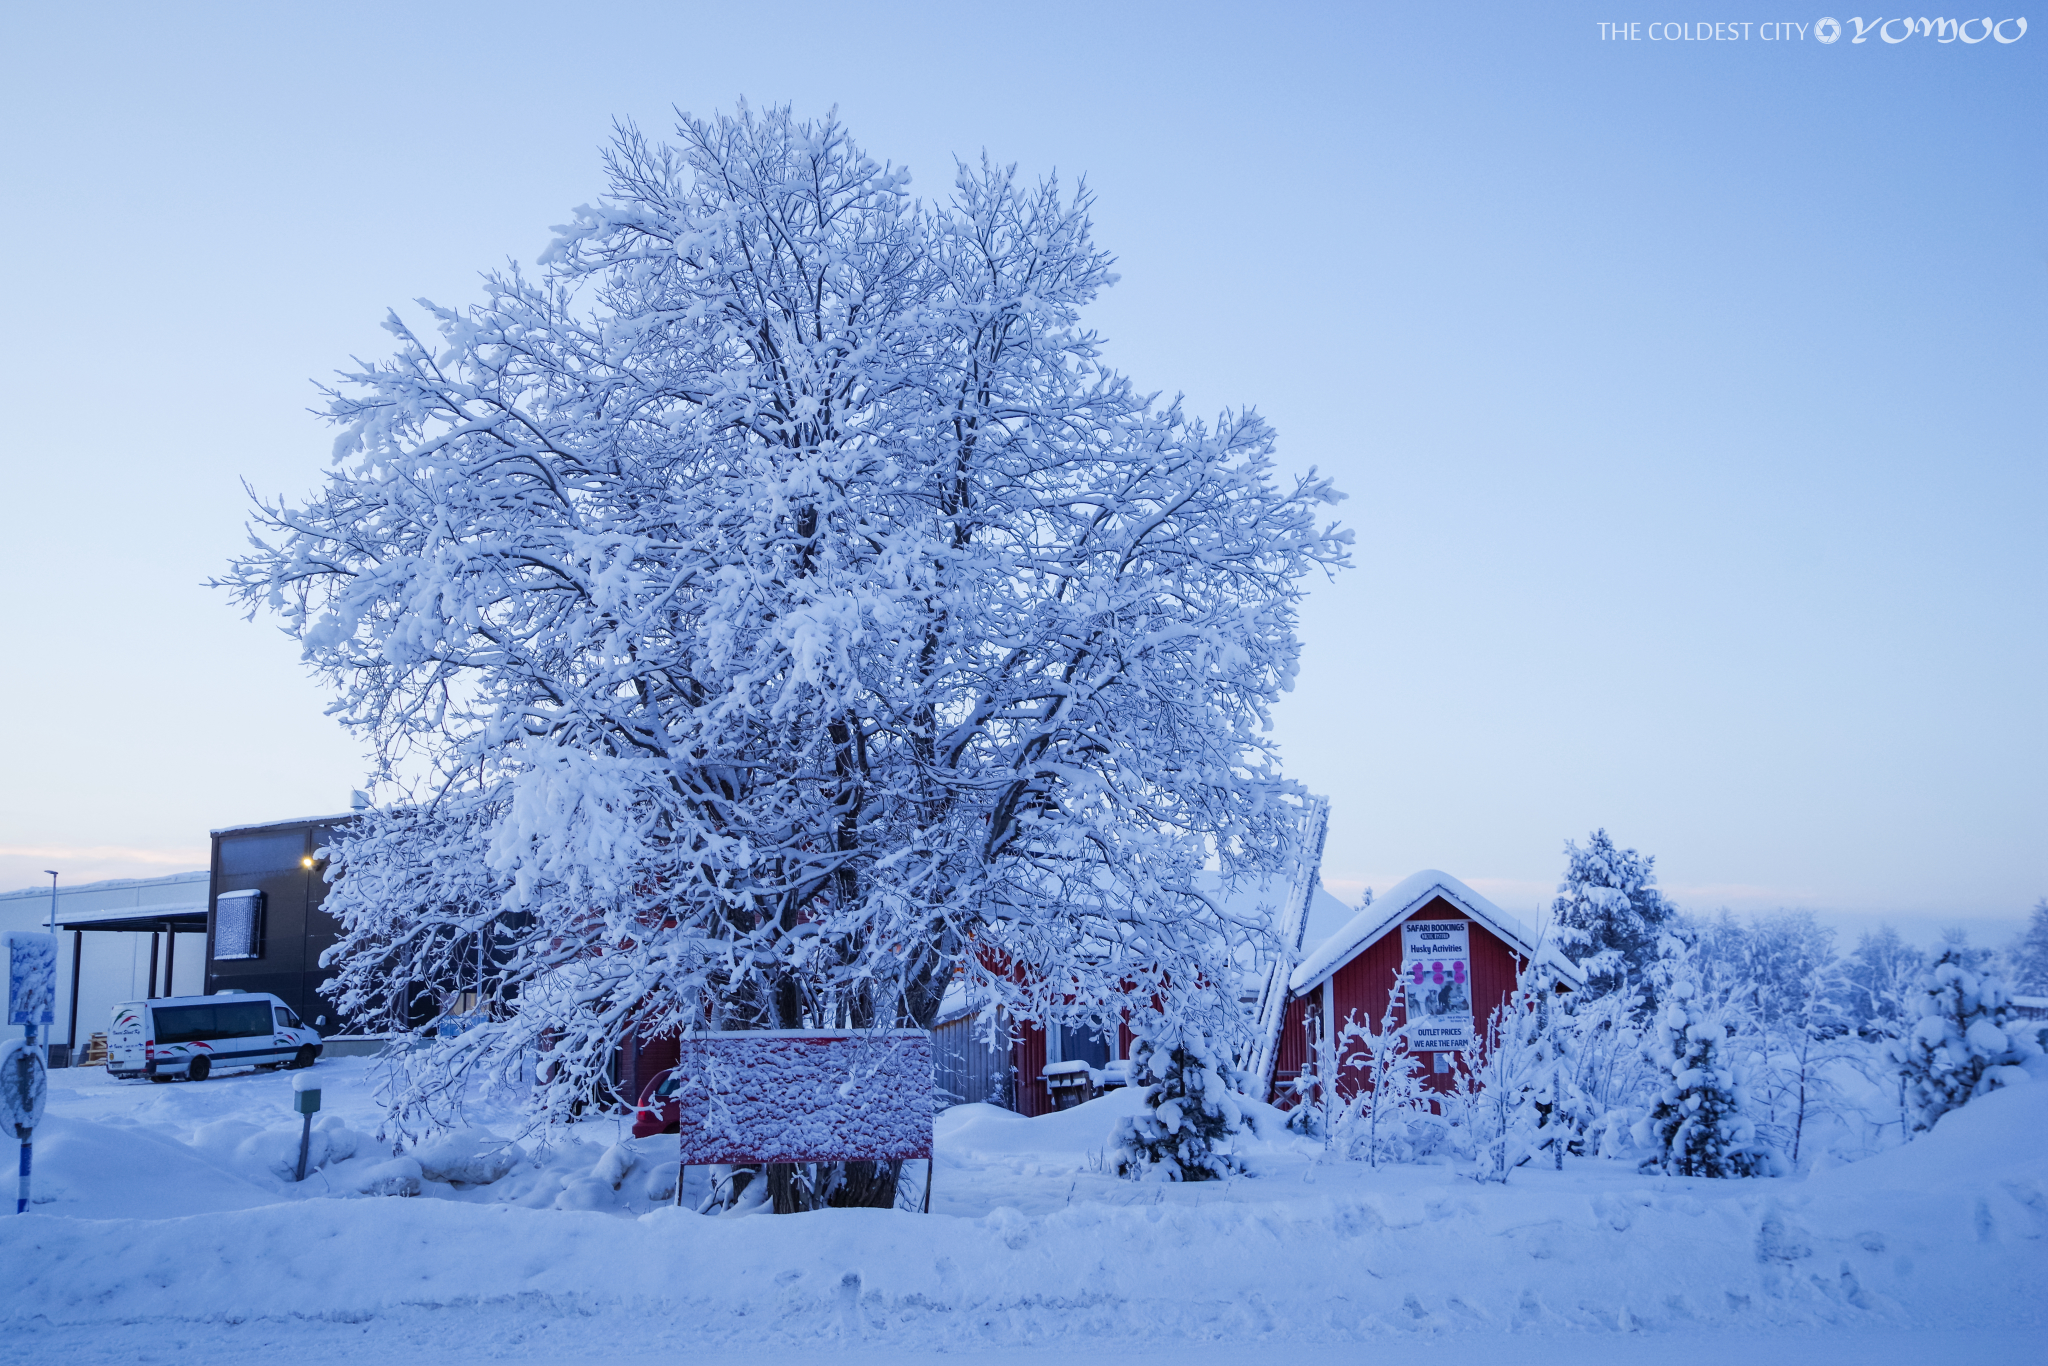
column 867, row 1185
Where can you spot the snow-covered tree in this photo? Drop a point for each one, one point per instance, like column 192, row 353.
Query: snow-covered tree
column 1877, row 981
column 1389, row 1118
column 2030, row 954
column 1608, row 913
column 1779, row 986
column 1699, row 1124
column 1516, row 1073
column 1595, row 1046
column 1965, row 1042
column 788, row 609
column 1192, row 1105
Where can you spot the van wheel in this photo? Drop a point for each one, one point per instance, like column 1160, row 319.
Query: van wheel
column 200, row 1070
column 303, row 1058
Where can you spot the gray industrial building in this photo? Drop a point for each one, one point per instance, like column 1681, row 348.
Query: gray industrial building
column 251, row 922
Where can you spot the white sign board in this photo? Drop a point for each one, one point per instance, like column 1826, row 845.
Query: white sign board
column 24, row 1087
column 31, row 979
column 1436, row 976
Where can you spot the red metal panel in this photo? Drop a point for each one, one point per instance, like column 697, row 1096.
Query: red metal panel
column 640, row 1061
column 1032, row 1097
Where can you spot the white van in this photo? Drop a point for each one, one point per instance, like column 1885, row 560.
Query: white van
column 190, row 1036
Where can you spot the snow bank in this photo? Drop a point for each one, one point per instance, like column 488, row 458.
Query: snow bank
column 1313, row 1267
column 1031, row 1242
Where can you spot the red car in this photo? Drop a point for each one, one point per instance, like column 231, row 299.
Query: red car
column 657, row 1112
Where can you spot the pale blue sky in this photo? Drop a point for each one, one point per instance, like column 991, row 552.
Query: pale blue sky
column 1690, row 395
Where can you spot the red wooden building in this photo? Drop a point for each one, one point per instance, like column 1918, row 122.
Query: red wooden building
column 1456, row 960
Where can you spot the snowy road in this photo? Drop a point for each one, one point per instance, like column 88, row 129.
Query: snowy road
column 459, row 1337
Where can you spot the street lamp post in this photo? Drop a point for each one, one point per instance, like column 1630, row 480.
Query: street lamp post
column 53, row 940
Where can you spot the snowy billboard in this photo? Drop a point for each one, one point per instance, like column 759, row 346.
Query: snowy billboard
column 1436, row 974
column 805, row 1096
column 31, row 979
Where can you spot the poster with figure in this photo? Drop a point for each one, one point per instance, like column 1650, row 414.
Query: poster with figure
column 31, row 979
column 1436, row 975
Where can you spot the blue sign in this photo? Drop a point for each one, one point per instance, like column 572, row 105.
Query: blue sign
column 31, row 979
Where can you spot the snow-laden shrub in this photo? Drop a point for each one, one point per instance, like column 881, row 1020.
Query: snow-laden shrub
column 1513, row 1081
column 1699, row 1125
column 466, row 1157
column 1967, row 1040
column 274, row 1152
column 397, row 1176
column 616, row 1165
column 1394, row 1117
column 1192, row 1095
column 660, row 1182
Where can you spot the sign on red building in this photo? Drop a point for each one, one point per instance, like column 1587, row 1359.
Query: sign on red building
column 1436, row 980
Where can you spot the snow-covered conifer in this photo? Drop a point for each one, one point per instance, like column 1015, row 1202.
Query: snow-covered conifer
column 1608, row 913
column 1192, row 1095
column 1964, row 1043
column 788, row 610
column 2030, row 954
column 1699, row 1125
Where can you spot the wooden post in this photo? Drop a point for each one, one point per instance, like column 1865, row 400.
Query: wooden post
column 77, row 951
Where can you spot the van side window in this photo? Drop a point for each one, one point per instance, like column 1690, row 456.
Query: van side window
column 224, row 1020
column 287, row 1020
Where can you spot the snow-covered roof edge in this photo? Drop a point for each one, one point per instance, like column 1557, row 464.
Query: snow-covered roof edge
column 339, row 818
column 1403, row 900
column 111, row 884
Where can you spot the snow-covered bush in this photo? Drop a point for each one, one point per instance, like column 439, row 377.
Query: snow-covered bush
column 467, row 1157
column 1516, row 1074
column 1394, row 1116
column 1192, row 1095
column 1699, row 1125
column 1966, row 1041
column 399, row 1176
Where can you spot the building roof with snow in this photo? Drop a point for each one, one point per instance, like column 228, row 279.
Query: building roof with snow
column 1402, row 901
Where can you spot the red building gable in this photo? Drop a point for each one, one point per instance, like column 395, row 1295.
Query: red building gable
column 1353, row 974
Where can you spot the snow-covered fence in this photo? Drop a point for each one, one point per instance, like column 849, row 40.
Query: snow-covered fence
column 809, row 1095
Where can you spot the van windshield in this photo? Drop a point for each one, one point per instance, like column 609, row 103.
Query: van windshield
column 190, row 1024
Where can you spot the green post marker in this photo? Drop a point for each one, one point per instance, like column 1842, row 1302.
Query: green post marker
column 306, row 1100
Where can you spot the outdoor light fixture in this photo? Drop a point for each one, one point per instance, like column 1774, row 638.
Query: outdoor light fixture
column 306, row 862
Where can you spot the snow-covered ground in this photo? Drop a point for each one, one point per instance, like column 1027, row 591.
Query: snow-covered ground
column 166, row 1225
